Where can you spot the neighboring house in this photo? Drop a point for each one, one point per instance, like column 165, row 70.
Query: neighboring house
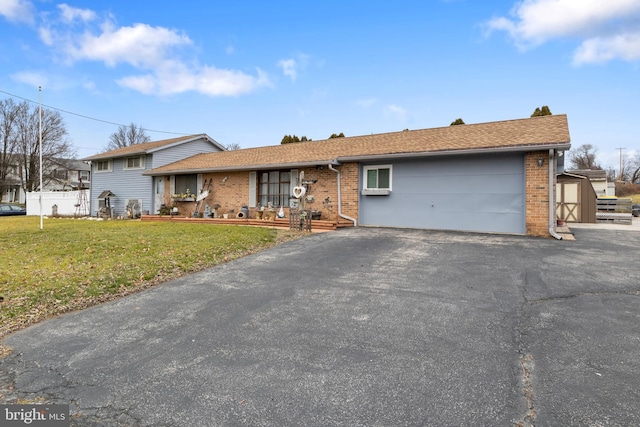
column 120, row 172
column 61, row 175
column 488, row 177
column 68, row 174
column 598, row 179
column 13, row 191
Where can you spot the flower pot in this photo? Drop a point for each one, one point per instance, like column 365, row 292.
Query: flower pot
column 560, row 222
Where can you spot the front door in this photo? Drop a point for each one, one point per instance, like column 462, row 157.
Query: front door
column 159, row 193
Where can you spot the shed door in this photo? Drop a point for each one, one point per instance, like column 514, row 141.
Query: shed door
column 471, row 193
column 568, row 206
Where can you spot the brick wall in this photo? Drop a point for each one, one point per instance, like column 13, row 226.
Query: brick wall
column 537, row 193
column 231, row 191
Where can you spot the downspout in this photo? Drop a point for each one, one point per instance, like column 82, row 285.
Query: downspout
column 355, row 222
column 552, row 200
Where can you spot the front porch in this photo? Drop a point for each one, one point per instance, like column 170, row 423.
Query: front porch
column 317, row 225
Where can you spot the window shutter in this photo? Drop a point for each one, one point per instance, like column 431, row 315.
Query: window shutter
column 252, row 189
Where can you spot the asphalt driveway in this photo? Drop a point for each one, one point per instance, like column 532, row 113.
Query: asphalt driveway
column 360, row 327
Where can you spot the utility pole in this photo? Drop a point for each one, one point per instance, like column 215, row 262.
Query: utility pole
column 40, row 143
column 620, row 149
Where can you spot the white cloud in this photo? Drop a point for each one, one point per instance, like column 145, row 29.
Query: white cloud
column 31, row 78
column 140, row 45
column 175, row 77
column 607, row 30
column 17, row 10
column 289, row 68
column 600, row 50
column 70, row 13
column 153, row 51
column 292, row 66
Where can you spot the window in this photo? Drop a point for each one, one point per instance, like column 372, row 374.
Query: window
column 274, row 187
column 377, row 180
column 134, row 162
column 83, row 175
column 186, row 182
column 103, row 166
column 61, row 174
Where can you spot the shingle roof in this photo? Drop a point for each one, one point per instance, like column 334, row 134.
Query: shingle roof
column 147, row 147
column 518, row 135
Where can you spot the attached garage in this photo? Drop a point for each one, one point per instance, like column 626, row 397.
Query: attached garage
column 483, row 193
column 496, row 177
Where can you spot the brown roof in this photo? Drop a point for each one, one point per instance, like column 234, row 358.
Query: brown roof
column 148, row 147
column 593, row 175
column 511, row 135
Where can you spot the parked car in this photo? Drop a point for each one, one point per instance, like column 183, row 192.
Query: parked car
column 7, row 209
column 635, row 210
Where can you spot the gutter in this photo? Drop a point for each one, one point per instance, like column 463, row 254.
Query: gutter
column 355, row 222
column 552, row 200
column 512, row 149
column 155, row 172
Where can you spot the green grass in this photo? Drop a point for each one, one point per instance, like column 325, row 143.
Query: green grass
column 72, row 264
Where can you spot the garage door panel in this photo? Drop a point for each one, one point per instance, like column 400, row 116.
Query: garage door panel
column 470, row 184
column 477, row 193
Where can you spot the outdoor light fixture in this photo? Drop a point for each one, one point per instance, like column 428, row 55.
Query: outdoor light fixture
column 540, row 161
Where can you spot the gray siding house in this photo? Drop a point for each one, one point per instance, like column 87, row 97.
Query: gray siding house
column 120, row 173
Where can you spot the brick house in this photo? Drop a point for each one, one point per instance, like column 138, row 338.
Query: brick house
column 487, row 177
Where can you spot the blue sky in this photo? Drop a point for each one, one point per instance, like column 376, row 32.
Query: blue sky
column 249, row 72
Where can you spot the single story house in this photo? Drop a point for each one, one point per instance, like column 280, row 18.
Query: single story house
column 120, row 174
column 488, row 177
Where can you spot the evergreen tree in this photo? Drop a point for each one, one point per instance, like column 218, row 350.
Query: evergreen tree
column 544, row 111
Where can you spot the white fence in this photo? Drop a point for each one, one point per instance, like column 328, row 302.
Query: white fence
column 65, row 203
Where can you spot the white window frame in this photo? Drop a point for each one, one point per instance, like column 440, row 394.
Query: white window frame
column 366, row 191
column 109, row 166
column 140, row 166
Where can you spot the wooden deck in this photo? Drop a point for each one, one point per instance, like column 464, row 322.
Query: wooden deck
column 316, row 225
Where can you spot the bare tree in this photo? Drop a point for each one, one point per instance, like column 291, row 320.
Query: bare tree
column 632, row 171
column 8, row 117
column 126, row 136
column 584, row 157
column 55, row 146
column 233, row 146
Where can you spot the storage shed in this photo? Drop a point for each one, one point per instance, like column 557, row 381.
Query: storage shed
column 576, row 198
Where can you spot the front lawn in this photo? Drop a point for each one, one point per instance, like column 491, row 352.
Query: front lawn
column 72, row 264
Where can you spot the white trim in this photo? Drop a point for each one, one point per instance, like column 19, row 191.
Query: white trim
column 142, row 159
column 253, row 192
column 109, row 166
column 376, row 190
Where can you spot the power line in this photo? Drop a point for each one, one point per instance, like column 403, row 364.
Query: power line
column 88, row 117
